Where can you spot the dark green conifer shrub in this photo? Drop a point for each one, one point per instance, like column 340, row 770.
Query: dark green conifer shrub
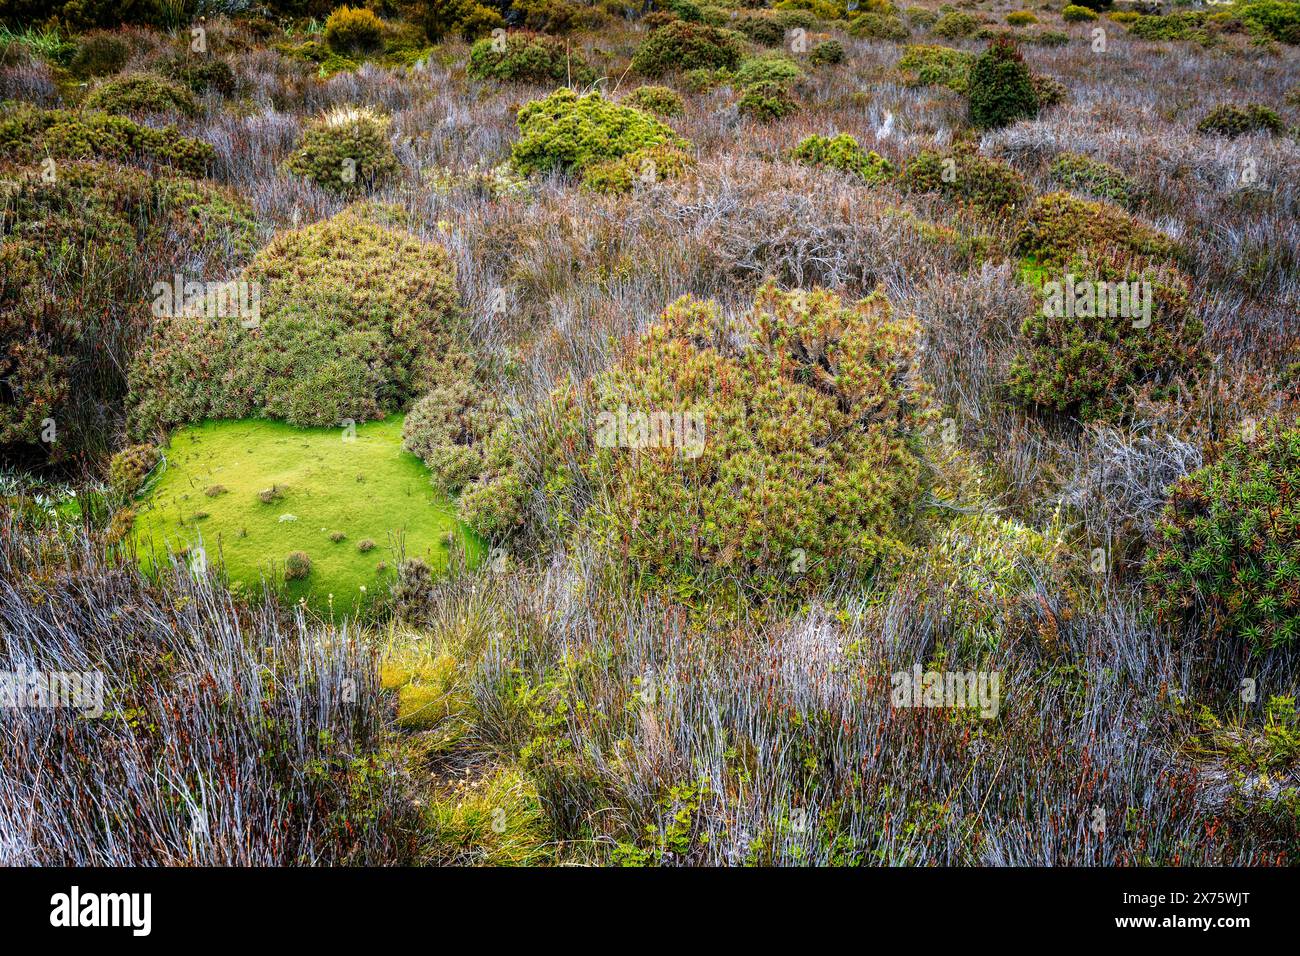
column 1001, row 87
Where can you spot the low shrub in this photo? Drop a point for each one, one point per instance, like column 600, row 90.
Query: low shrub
column 297, row 565
column 927, row 65
column 645, row 166
column 1001, row 88
column 571, row 133
column 921, row 16
column 656, row 99
column 1102, row 180
column 139, row 93
column 28, row 135
column 878, row 26
column 129, row 467
column 1233, row 121
column 767, row 68
column 1183, row 25
column 1083, row 357
column 681, row 46
column 1226, row 549
column 353, row 30
column 761, row 28
column 528, row 58
column 767, row 101
column 1021, row 18
column 99, row 54
column 449, row 429
column 827, row 53
column 346, row 151
column 1274, row 19
column 814, row 394
column 966, row 177
column 201, row 76
column 356, row 319
column 1058, row 226
column 1073, row 13
column 1048, row 38
column 956, row 24
column 842, row 152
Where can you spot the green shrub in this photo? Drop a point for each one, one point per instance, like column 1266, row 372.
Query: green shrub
column 1077, row 14
column 1001, row 89
column 1233, row 121
column 356, row 319
column 814, row 395
column 99, row 54
column 449, row 428
column 842, row 152
column 571, row 133
column 1227, row 546
column 1082, row 359
column 200, row 76
column 656, row 99
column 922, row 16
column 647, row 166
column 687, row 46
column 1021, row 18
column 767, row 68
column 528, row 58
column 346, row 151
column 142, row 93
column 441, row 18
column 28, row 135
column 968, row 178
column 1083, row 173
column 956, row 24
column 1048, row 91
column 1188, row 25
column 353, row 30
column 878, row 26
column 926, row 65
column 767, row 101
column 1050, row 38
column 1274, row 19
column 761, row 28
column 827, row 53
column 297, row 565
column 78, row 256
column 1058, row 226
column 129, row 467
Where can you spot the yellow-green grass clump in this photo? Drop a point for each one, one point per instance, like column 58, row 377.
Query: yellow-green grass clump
column 327, row 481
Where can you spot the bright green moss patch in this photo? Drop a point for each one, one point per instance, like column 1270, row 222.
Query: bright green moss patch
column 367, row 488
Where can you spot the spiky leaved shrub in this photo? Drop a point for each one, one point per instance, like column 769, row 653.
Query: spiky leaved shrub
column 99, row 54
column 966, row 177
column 1001, row 89
column 29, row 135
column 528, row 58
column 769, row 67
column 1232, row 121
column 139, row 93
column 842, row 152
column 1074, row 13
column 450, row 428
column 1083, row 357
column 687, row 46
column 1076, row 171
column 927, row 65
column 130, row 466
column 656, row 99
column 767, row 101
column 645, row 166
column 201, row 75
column 346, row 151
column 956, row 24
column 879, row 26
column 689, row 442
column 1227, row 545
column 356, row 319
column 353, row 29
column 761, row 28
column 827, row 53
column 1059, row 225
column 573, row 133
column 297, row 565
column 79, row 256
